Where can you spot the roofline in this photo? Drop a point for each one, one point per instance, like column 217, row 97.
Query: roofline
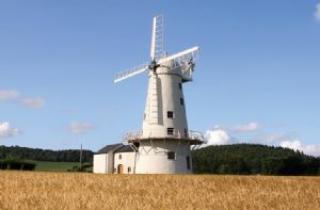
column 117, row 147
column 123, row 151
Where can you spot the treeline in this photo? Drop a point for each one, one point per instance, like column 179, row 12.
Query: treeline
column 11, row 164
column 253, row 159
column 243, row 159
column 25, row 153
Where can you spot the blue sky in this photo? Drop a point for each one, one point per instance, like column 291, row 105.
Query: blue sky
column 257, row 79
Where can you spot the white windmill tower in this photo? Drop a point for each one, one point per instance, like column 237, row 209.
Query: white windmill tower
column 164, row 144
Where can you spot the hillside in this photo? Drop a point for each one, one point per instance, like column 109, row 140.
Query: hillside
column 226, row 159
column 253, row 159
column 26, row 153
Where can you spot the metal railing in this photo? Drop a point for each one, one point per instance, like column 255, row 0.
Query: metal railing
column 191, row 134
column 196, row 135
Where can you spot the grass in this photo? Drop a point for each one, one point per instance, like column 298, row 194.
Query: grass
column 43, row 190
column 54, row 166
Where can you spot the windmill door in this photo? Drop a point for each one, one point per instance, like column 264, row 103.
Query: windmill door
column 120, row 169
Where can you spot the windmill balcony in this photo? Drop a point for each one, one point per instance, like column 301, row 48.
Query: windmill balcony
column 194, row 137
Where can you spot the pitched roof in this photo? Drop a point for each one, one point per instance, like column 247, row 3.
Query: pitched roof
column 115, row 148
column 124, row 148
column 109, row 148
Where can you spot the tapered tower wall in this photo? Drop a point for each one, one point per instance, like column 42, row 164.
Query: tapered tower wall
column 165, row 112
column 164, row 147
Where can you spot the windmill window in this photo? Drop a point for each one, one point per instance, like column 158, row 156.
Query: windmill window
column 188, row 162
column 171, row 155
column 170, row 114
column 170, row 131
column 181, row 101
column 186, row 133
column 180, row 86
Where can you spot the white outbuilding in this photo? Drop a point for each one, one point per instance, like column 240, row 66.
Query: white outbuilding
column 115, row 158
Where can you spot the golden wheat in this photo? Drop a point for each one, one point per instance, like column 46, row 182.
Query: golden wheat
column 39, row 190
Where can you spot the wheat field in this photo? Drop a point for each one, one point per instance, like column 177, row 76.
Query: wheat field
column 49, row 190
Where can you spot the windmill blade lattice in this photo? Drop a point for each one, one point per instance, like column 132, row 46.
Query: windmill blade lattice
column 157, row 38
column 183, row 57
column 131, row 72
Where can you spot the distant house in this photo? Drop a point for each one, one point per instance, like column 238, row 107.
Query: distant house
column 115, row 158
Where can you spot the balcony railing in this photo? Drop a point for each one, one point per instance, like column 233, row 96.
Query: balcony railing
column 191, row 135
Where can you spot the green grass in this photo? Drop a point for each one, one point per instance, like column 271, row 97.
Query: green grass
column 54, row 166
column 57, row 166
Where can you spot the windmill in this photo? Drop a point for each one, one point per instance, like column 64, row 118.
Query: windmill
column 163, row 145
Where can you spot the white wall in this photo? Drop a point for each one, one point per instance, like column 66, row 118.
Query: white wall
column 153, row 157
column 164, row 95
column 100, row 163
column 127, row 160
column 103, row 163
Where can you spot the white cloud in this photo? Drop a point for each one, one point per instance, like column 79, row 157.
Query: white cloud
column 15, row 96
column 299, row 146
column 6, row 131
column 271, row 138
column 317, row 13
column 217, row 136
column 287, row 141
column 33, row 103
column 294, row 144
column 9, row 95
column 79, row 127
column 249, row 127
column 223, row 136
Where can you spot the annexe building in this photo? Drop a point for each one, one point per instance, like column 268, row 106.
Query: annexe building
column 115, row 158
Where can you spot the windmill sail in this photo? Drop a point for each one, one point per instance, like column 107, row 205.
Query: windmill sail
column 182, row 57
column 130, row 73
column 157, row 37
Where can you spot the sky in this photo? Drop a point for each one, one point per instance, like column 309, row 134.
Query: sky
column 257, row 79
